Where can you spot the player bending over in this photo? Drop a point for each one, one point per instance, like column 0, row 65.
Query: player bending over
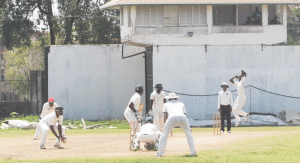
column 241, row 99
column 131, row 112
column 48, row 107
column 174, row 112
column 149, row 134
column 48, row 122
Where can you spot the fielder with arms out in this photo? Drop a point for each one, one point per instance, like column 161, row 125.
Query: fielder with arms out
column 174, row 112
column 48, row 122
column 48, row 107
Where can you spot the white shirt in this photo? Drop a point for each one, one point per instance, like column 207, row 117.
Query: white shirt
column 240, row 87
column 47, row 109
column 136, row 100
column 158, row 99
column 148, row 128
column 225, row 98
column 51, row 119
column 174, row 108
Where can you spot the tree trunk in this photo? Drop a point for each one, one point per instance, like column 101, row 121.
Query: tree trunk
column 69, row 25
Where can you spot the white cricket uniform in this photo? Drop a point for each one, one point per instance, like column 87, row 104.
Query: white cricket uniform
column 149, row 134
column 158, row 102
column 129, row 114
column 46, row 122
column 47, row 110
column 176, row 117
column 240, row 100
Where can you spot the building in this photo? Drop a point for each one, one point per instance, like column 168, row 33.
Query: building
column 201, row 22
column 195, row 45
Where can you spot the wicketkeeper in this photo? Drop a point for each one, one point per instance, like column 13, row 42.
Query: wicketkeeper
column 149, row 134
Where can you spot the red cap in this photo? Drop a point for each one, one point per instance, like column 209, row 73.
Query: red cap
column 51, row 99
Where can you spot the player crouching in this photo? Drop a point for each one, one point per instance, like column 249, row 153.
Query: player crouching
column 48, row 122
column 149, row 134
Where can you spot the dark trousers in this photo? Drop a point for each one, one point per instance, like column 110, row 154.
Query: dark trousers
column 225, row 112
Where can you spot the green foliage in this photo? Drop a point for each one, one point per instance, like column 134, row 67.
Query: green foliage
column 16, row 27
column 20, row 61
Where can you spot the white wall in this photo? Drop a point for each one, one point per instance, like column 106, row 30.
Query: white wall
column 191, row 70
column 94, row 82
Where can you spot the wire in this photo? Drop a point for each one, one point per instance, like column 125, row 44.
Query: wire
column 184, row 94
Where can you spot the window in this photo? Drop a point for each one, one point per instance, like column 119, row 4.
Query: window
column 192, row 15
column 275, row 14
column 2, row 71
column 150, row 15
column 249, row 14
column 2, row 77
column 171, row 15
column 224, row 15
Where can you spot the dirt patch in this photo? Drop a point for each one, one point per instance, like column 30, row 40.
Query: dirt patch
column 115, row 145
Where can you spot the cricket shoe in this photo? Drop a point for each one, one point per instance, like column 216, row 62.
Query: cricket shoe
column 158, row 155
column 58, row 146
column 42, row 147
column 247, row 118
column 222, row 131
column 194, row 154
column 229, row 131
column 35, row 138
column 64, row 137
column 237, row 124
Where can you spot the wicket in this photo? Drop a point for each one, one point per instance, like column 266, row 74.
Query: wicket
column 217, row 123
column 135, row 129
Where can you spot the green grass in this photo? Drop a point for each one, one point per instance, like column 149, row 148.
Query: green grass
column 280, row 148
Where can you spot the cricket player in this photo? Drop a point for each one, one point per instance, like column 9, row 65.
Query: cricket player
column 131, row 112
column 241, row 99
column 225, row 106
column 158, row 99
column 48, row 108
column 149, row 134
column 174, row 112
column 48, row 122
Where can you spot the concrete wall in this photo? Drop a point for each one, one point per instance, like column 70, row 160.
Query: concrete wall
column 200, row 71
column 94, row 82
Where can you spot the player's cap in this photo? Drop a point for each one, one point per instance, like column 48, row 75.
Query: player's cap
column 51, row 99
column 59, row 108
column 158, row 85
column 172, row 96
column 139, row 88
column 224, row 84
column 149, row 120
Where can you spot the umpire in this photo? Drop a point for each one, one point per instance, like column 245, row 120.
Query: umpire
column 225, row 106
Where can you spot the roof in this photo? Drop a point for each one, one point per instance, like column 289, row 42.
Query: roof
column 115, row 3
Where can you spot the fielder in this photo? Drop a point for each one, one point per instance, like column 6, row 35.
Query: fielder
column 149, row 134
column 48, row 122
column 174, row 112
column 131, row 112
column 241, row 99
column 158, row 99
column 48, row 107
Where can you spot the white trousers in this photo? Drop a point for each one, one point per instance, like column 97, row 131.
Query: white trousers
column 44, row 128
column 131, row 118
column 171, row 122
column 237, row 108
column 38, row 130
column 147, row 138
column 158, row 118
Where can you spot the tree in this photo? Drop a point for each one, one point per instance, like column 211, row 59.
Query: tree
column 20, row 61
column 16, row 27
